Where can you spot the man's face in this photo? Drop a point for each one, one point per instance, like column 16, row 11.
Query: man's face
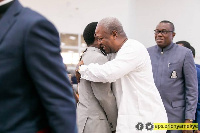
column 105, row 40
column 164, row 35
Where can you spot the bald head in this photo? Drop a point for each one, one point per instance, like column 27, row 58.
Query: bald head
column 111, row 24
column 110, row 34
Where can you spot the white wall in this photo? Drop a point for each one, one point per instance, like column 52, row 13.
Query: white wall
column 139, row 17
column 185, row 14
column 72, row 16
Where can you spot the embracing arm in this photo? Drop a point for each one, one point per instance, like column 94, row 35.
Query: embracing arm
column 128, row 59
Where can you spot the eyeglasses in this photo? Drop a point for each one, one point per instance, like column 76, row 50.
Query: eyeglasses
column 163, row 32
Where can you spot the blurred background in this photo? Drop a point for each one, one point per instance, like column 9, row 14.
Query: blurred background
column 139, row 18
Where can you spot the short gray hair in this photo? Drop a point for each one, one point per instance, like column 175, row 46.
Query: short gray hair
column 110, row 24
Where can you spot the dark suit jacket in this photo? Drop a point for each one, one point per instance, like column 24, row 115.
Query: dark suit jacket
column 34, row 90
column 197, row 65
column 197, row 118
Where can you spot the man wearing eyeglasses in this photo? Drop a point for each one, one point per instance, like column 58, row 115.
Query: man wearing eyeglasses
column 174, row 75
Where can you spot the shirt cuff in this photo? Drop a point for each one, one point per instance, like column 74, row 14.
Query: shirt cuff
column 82, row 69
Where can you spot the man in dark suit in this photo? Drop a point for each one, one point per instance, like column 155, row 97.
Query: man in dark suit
column 197, row 115
column 35, row 93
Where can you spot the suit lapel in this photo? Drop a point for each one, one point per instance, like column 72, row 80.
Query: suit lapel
column 9, row 18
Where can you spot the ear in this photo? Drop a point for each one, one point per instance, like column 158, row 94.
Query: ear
column 114, row 34
column 173, row 34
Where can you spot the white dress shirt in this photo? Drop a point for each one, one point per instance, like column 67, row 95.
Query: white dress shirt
column 137, row 97
column 5, row 2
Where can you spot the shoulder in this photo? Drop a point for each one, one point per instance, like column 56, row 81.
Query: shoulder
column 183, row 52
column 98, row 55
column 32, row 18
column 95, row 56
column 132, row 45
column 31, row 15
column 100, row 58
column 181, row 48
column 31, row 21
column 136, row 43
column 133, row 49
column 152, row 48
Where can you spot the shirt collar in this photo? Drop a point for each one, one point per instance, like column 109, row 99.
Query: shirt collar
column 166, row 48
column 5, row 2
column 4, row 5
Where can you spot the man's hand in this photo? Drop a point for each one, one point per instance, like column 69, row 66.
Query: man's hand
column 197, row 131
column 78, row 75
column 76, row 96
column 187, row 131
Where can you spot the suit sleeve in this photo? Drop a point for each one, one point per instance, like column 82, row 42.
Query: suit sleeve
column 191, row 85
column 127, row 60
column 46, row 68
column 198, row 113
column 104, row 95
column 198, row 103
